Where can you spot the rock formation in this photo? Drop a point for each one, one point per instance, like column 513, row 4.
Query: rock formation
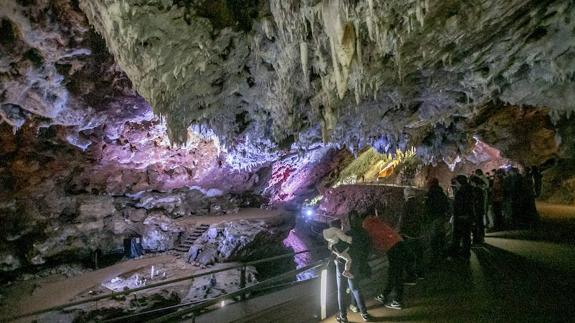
column 119, row 116
column 395, row 69
column 239, row 241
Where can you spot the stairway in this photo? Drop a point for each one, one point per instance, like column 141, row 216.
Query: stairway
column 189, row 238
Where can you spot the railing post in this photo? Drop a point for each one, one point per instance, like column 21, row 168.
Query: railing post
column 323, row 293
column 243, row 281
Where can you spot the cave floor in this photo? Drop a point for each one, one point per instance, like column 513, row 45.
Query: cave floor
column 516, row 276
column 31, row 295
column 243, row 214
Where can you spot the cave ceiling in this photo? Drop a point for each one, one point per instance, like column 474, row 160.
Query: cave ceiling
column 265, row 76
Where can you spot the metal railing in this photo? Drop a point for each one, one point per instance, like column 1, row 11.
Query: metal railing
column 242, row 286
column 195, row 307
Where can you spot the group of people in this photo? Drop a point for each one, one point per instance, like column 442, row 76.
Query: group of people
column 403, row 245
column 352, row 249
column 510, row 195
column 502, row 198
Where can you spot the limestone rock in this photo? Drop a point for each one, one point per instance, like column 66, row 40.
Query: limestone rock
column 239, row 240
column 93, row 208
column 9, row 259
column 339, row 201
column 160, row 232
column 136, row 215
column 207, row 287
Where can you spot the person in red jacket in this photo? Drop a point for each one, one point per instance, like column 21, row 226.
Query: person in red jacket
column 386, row 240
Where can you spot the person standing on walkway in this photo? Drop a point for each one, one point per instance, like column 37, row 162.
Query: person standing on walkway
column 385, row 239
column 411, row 223
column 437, row 209
column 339, row 244
column 497, row 196
column 359, row 252
column 479, row 209
column 463, row 215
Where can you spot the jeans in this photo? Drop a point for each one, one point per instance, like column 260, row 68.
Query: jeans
column 353, row 287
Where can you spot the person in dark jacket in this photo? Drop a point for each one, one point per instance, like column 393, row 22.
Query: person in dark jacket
column 497, row 196
column 463, row 215
column 437, row 209
column 537, row 180
column 359, row 251
column 478, row 184
column 411, row 223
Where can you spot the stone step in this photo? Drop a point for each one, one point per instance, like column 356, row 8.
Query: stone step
column 189, row 239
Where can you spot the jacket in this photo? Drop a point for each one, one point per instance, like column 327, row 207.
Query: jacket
column 382, row 236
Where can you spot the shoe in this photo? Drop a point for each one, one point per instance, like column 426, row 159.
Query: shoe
column 341, row 319
column 366, row 317
column 380, row 298
column 393, row 305
column 347, row 274
column 354, row 308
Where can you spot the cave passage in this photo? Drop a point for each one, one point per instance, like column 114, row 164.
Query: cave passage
column 205, row 160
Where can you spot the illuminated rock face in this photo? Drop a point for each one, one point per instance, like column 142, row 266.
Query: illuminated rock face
column 54, row 68
column 84, row 158
column 343, row 71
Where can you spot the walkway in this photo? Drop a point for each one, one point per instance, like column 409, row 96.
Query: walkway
column 243, row 214
column 511, row 278
column 508, row 279
column 35, row 296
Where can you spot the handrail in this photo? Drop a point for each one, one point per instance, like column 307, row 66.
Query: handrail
column 167, row 282
column 239, row 292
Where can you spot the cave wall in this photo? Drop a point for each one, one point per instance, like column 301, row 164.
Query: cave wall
column 116, row 117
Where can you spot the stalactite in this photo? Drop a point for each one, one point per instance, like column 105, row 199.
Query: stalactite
column 419, row 12
column 303, row 50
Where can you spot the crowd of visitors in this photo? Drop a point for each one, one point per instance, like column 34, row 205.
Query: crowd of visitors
column 500, row 199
